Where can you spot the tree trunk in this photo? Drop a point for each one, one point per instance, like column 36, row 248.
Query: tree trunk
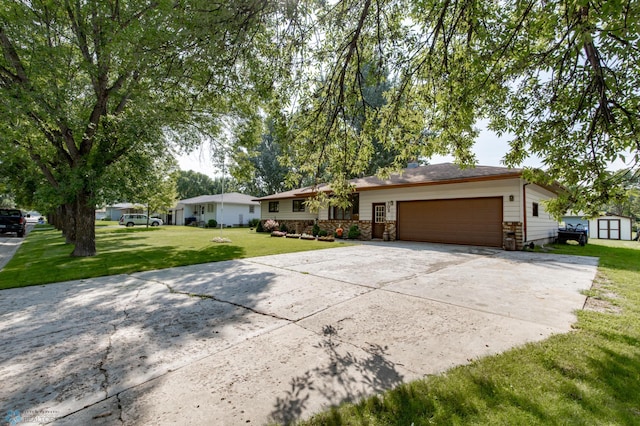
column 85, row 221
column 68, row 222
column 54, row 218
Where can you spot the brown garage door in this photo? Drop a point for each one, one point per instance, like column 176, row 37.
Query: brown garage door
column 473, row 221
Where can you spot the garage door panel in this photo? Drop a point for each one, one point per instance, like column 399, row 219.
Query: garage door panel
column 474, row 221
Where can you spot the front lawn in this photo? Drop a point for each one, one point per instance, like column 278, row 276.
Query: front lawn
column 590, row 376
column 45, row 258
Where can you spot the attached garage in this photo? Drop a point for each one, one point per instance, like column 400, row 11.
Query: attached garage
column 472, row 221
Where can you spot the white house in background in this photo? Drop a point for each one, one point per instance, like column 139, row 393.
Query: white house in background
column 232, row 209
column 115, row 212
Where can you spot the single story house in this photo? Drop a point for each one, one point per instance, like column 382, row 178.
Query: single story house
column 232, row 209
column 605, row 227
column 116, row 211
column 441, row 203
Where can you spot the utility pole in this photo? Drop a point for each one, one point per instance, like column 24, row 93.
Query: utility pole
column 222, row 198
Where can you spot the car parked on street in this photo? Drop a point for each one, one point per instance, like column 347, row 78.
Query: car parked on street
column 130, row 220
column 13, row 220
column 35, row 217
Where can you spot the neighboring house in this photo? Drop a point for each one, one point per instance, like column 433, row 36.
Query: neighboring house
column 101, row 214
column 605, row 227
column 232, row 209
column 486, row 206
column 610, row 227
column 574, row 219
column 116, row 211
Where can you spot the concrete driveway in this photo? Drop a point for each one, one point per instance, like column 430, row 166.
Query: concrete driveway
column 274, row 338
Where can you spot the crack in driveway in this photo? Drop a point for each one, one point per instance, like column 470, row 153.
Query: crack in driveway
column 215, row 299
column 102, row 365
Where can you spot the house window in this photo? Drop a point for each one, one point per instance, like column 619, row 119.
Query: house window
column 211, row 208
column 252, row 209
column 298, row 205
column 349, row 213
column 535, row 209
column 274, row 206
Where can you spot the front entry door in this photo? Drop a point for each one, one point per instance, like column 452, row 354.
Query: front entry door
column 379, row 220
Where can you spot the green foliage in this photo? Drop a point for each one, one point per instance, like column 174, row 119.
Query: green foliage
column 191, row 184
column 558, row 78
column 284, row 228
column 257, row 166
column 354, row 232
column 322, row 233
column 254, row 222
column 315, row 231
column 259, row 227
column 212, row 223
column 92, row 90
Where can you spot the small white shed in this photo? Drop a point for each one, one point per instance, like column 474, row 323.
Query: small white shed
column 610, row 227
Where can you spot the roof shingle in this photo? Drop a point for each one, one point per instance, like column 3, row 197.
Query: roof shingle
column 423, row 175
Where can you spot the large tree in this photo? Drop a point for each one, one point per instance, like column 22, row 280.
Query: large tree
column 559, row 77
column 82, row 84
column 257, row 166
column 192, row 184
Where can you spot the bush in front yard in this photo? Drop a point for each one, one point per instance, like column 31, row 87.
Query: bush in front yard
column 354, row 232
column 271, row 225
column 212, row 223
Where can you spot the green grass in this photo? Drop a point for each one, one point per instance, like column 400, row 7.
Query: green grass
column 45, row 258
column 586, row 377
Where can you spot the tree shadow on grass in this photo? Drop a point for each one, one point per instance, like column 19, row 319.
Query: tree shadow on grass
column 598, row 385
column 343, row 377
column 117, row 255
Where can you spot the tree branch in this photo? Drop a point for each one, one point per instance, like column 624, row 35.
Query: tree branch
column 12, row 57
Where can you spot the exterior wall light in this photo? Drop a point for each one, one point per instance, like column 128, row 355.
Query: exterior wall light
column 510, row 197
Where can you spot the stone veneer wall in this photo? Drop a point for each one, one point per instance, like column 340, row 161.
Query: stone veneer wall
column 297, row 226
column 513, row 230
column 331, row 225
column 391, row 227
column 364, row 225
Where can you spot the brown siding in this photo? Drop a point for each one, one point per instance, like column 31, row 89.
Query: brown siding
column 472, row 221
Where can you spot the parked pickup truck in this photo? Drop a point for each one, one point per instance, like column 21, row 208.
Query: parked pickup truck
column 12, row 220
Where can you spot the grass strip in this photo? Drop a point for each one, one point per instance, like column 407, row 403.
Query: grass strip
column 45, row 258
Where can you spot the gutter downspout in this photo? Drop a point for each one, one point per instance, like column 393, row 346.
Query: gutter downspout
column 524, row 205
